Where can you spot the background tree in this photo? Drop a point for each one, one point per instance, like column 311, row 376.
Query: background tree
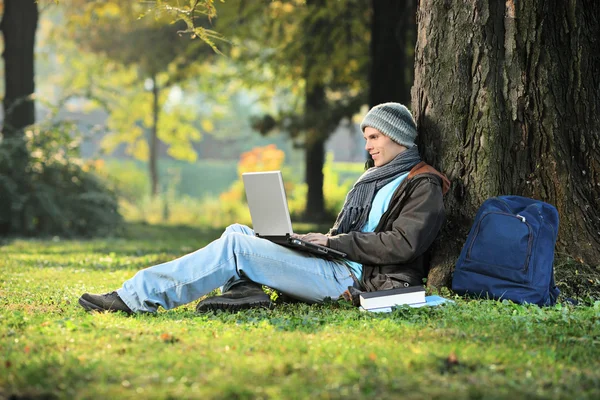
column 392, row 44
column 325, row 50
column 321, row 49
column 156, row 57
column 18, row 26
column 44, row 187
column 507, row 99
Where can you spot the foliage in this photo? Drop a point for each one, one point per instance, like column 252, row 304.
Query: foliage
column 139, row 76
column 204, row 178
column 210, row 193
column 51, row 348
column 320, row 51
column 126, row 178
column 56, row 193
column 88, row 65
column 267, row 53
column 295, row 46
column 338, row 180
column 205, row 9
column 268, row 158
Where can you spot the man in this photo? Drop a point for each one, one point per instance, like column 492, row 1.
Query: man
column 388, row 221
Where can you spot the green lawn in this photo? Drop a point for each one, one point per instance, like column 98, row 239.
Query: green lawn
column 51, row 348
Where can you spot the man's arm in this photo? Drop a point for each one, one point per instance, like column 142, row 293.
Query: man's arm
column 411, row 235
column 316, row 238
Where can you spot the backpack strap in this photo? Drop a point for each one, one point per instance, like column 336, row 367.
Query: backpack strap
column 424, row 168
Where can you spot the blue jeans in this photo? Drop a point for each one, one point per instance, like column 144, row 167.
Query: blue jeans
column 237, row 255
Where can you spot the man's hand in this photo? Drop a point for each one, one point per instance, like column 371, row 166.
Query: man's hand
column 316, row 238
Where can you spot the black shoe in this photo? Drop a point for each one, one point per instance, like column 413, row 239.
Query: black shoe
column 240, row 297
column 104, row 302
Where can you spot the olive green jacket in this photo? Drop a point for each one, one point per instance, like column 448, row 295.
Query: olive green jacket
column 394, row 254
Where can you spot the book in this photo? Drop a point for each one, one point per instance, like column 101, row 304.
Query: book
column 392, row 297
column 433, row 300
column 430, row 301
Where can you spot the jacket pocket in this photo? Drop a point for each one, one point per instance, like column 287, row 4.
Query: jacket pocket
column 386, row 282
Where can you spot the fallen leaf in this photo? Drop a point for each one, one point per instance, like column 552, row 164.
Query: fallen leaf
column 168, row 338
column 452, row 359
column 165, row 336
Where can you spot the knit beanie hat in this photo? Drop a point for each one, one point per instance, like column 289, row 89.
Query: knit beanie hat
column 393, row 120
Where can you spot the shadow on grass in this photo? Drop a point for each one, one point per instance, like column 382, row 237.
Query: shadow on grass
column 5, row 241
column 140, row 231
column 301, row 317
column 576, row 279
column 46, row 384
column 136, row 240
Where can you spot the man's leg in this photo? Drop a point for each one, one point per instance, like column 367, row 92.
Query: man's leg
column 167, row 284
column 145, row 280
column 244, row 295
column 238, row 253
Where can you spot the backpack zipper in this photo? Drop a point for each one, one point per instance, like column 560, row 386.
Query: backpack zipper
column 520, row 218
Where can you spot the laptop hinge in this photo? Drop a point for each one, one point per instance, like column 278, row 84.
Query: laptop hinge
column 275, row 238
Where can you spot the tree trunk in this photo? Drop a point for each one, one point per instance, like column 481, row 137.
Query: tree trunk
column 393, row 34
column 153, row 139
column 314, row 153
column 507, row 100
column 18, row 26
column 315, row 114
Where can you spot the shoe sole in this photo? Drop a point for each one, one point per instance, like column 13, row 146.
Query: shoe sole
column 233, row 305
column 92, row 307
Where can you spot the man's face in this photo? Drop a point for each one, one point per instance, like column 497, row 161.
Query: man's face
column 381, row 148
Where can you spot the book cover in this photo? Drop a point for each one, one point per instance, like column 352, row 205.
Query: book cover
column 392, row 297
column 430, row 301
column 392, row 292
column 433, row 300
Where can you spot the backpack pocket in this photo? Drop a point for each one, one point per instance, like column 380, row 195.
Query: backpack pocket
column 509, row 252
column 501, row 247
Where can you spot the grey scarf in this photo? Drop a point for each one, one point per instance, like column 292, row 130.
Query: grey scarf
column 356, row 208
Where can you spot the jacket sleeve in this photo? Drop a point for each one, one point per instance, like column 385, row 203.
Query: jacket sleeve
column 411, row 233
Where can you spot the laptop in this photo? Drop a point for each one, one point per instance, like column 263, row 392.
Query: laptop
column 270, row 215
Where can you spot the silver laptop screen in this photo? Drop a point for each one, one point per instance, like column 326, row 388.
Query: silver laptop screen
column 267, row 203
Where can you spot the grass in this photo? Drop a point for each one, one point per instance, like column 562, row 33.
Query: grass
column 51, row 348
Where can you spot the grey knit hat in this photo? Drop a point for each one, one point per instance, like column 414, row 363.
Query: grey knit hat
column 393, row 120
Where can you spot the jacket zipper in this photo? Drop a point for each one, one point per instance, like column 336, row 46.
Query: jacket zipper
column 401, row 197
column 408, row 185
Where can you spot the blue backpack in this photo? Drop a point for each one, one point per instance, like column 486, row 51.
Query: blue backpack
column 509, row 252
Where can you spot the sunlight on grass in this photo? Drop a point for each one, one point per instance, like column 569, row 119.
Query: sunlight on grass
column 52, row 348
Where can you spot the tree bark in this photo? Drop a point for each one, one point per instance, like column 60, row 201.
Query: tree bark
column 507, row 100
column 153, row 139
column 393, row 34
column 18, row 27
